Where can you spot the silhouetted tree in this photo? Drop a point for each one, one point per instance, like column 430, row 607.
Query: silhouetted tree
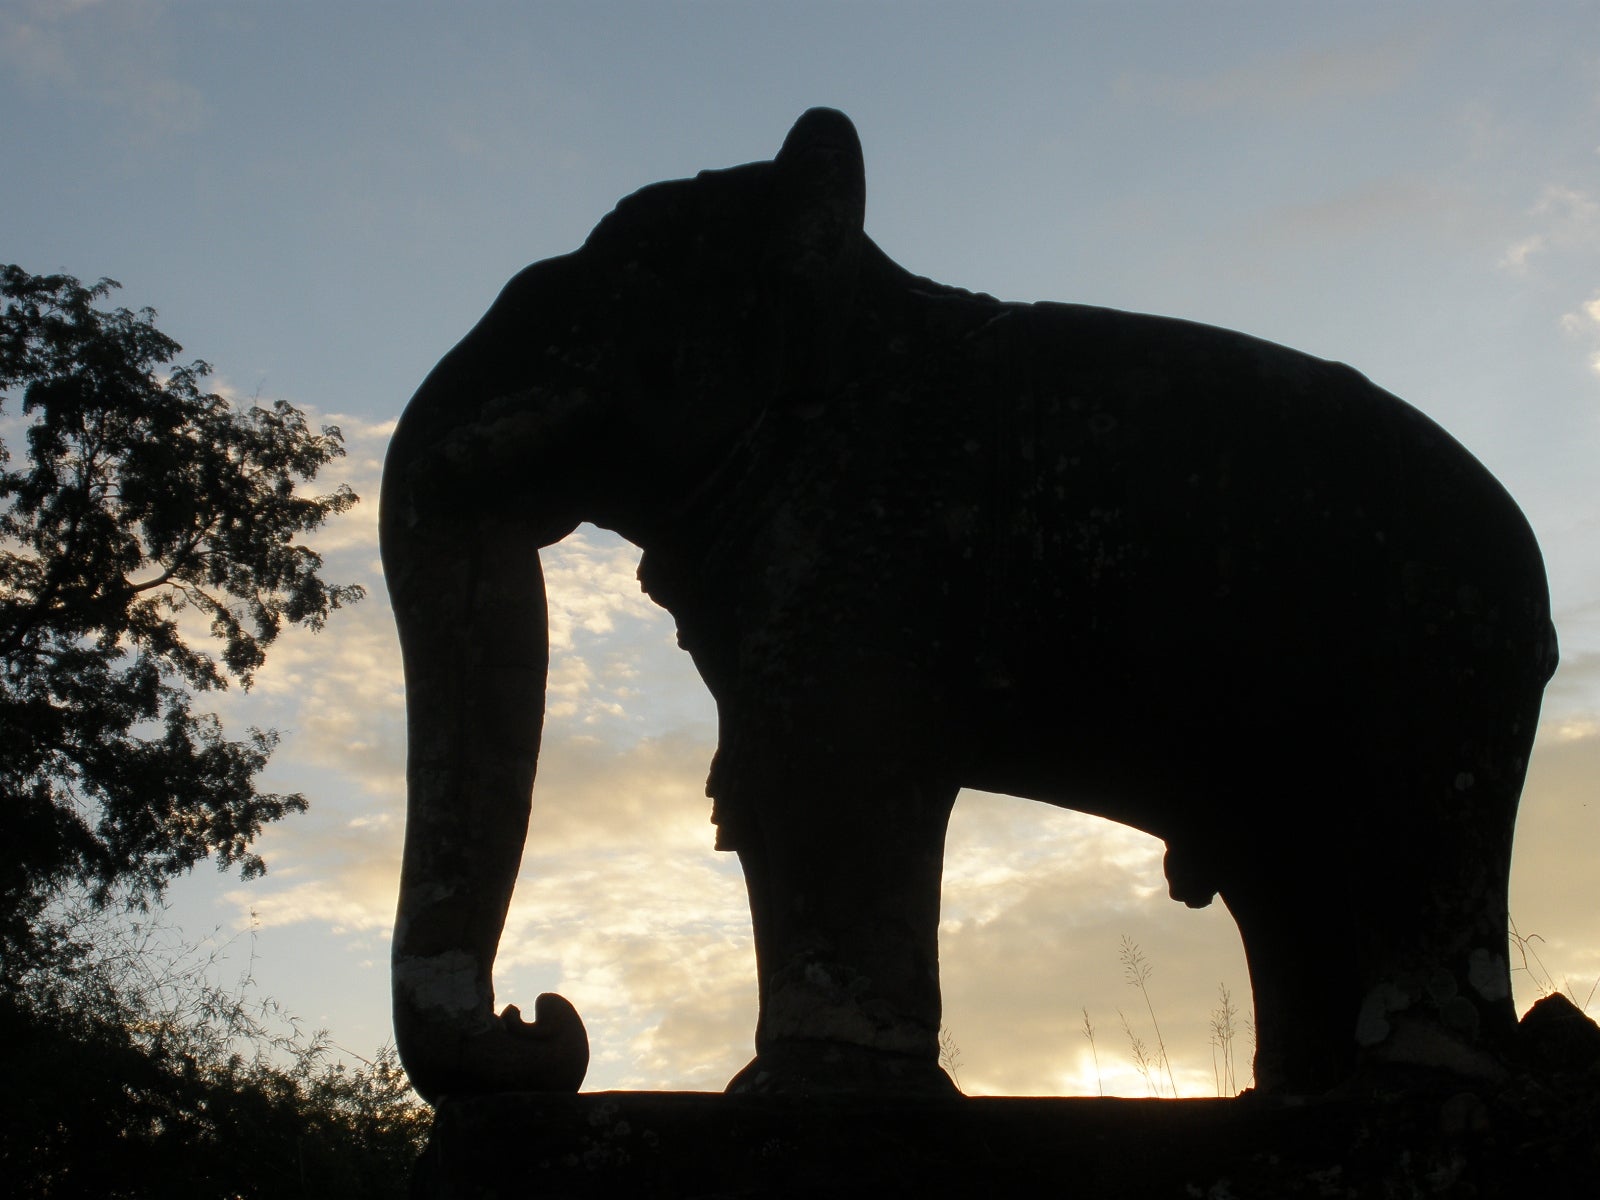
column 132, row 503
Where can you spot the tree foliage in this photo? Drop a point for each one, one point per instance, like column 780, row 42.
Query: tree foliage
column 137, row 510
column 136, row 1074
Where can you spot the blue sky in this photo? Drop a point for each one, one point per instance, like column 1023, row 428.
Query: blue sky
column 321, row 198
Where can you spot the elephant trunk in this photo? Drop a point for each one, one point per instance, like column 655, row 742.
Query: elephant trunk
column 469, row 603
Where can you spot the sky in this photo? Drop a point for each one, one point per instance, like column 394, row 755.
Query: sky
column 320, row 199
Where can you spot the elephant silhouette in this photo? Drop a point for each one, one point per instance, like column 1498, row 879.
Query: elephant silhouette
column 918, row 539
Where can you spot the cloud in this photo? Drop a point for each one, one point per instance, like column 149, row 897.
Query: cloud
column 339, row 695
column 109, row 54
column 1037, row 901
column 592, row 584
column 1362, row 212
column 34, row 49
column 1563, row 247
column 1284, row 81
column 621, row 904
column 1570, row 220
column 1518, row 254
column 1586, row 316
column 1584, row 322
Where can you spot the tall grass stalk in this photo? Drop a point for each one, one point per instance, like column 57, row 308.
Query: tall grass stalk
column 1540, row 974
column 1088, row 1032
column 1137, row 969
column 949, row 1055
column 1222, row 1034
column 1141, row 1054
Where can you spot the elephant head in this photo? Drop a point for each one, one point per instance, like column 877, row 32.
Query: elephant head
column 591, row 390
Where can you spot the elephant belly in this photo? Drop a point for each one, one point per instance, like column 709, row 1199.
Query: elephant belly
column 1202, row 684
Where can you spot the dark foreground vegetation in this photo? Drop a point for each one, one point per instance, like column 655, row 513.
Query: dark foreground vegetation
column 129, row 1072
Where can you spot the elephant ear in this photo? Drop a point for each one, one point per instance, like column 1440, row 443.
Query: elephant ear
column 814, row 251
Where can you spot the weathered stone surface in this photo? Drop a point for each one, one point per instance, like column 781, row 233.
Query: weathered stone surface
column 641, row 1145
column 918, row 539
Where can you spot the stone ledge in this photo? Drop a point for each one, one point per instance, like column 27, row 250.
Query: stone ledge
column 708, row 1145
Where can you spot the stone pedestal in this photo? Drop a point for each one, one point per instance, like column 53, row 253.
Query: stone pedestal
column 691, row 1144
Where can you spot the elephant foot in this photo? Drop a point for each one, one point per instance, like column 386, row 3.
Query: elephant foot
column 505, row 1054
column 813, row 1068
column 558, row 1038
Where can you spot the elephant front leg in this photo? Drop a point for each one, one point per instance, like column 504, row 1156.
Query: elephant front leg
column 844, row 885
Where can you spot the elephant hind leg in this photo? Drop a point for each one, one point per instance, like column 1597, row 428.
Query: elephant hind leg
column 1384, row 943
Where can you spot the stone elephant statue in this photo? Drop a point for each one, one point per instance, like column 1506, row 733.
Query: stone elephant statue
column 918, row 539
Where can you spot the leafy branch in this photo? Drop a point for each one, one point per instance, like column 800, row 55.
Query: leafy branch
column 134, row 497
